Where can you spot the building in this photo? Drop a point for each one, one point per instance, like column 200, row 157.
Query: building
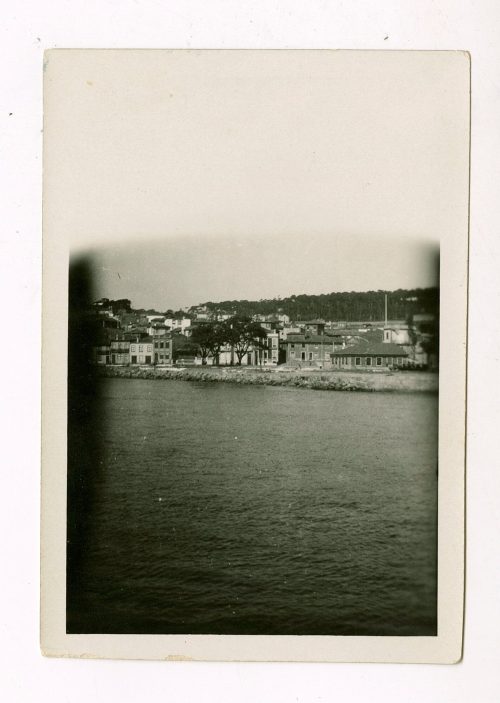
column 273, row 349
column 101, row 354
column 141, row 351
column 178, row 324
column 163, row 351
column 312, row 326
column 366, row 355
column 309, row 350
column 120, row 352
column 398, row 334
column 288, row 330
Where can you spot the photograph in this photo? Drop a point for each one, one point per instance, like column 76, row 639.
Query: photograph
column 240, row 464
column 255, row 288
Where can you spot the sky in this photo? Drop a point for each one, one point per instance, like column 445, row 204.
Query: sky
column 178, row 273
column 206, row 176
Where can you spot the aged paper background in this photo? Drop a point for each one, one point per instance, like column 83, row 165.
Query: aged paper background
column 33, row 27
column 112, row 172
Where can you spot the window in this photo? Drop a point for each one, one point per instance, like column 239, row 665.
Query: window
column 379, row 361
column 310, row 356
column 358, row 361
column 140, row 348
column 368, row 361
column 150, row 348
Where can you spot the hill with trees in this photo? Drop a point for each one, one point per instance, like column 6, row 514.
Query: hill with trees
column 346, row 306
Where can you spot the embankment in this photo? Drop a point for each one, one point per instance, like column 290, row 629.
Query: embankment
column 402, row 381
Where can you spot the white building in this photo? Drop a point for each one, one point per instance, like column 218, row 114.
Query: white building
column 141, row 352
column 178, row 325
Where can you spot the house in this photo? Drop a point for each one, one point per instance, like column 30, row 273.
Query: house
column 255, row 356
column 120, row 352
column 400, row 334
column 163, row 351
column 273, row 349
column 289, row 329
column 141, row 351
column 101, row 354
column 156, row 329
column 312, row 326
column 309, row 350
column 370, row 355
column 178, row 324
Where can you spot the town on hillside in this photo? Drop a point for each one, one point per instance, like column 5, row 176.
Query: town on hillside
column 213, row 335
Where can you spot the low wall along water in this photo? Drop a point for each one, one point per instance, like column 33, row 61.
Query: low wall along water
column 403, row 381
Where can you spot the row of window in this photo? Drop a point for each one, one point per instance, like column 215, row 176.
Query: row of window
column 372, row 361
column 149, row 348
column 303, row 346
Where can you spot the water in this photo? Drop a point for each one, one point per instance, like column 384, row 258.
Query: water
column 224, row 509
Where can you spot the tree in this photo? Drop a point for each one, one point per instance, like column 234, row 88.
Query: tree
column 202, row 336
column 219, row 338
column 243, row 332
column 210, row 338
column 182, row 346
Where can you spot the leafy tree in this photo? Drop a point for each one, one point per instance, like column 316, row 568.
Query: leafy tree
column 210, row 338
column 346, row 306
column 243, row 332
column 202, row 336
column 219, row 338
column 182, row 346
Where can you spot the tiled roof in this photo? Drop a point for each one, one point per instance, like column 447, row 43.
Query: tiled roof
column 309, row 339
column 143, row 340
column 373, row 349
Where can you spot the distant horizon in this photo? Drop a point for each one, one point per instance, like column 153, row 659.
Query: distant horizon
column 184, row 272
column 261, row 300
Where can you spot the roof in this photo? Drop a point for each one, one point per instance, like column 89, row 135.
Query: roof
column 372, row 349
column 144, row 340
column 311, row 322
column 309, row 339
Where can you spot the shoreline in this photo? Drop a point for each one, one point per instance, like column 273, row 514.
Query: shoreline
column 384, row 381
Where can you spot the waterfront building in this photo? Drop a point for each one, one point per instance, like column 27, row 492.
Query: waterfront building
column 273, row 349
column 163, row 351
column 101, row 354
column 309, row 350
column 141, row 351
column 120, row 352
column 370, row 355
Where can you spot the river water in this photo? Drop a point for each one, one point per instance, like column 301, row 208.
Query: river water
column 227, row 509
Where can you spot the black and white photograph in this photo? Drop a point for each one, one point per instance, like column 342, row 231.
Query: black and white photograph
column 241, row 462
column 261, row 261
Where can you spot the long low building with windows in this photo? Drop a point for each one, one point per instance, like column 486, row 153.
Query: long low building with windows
column 366, row 355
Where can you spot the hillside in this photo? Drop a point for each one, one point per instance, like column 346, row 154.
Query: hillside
column 339, row 306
